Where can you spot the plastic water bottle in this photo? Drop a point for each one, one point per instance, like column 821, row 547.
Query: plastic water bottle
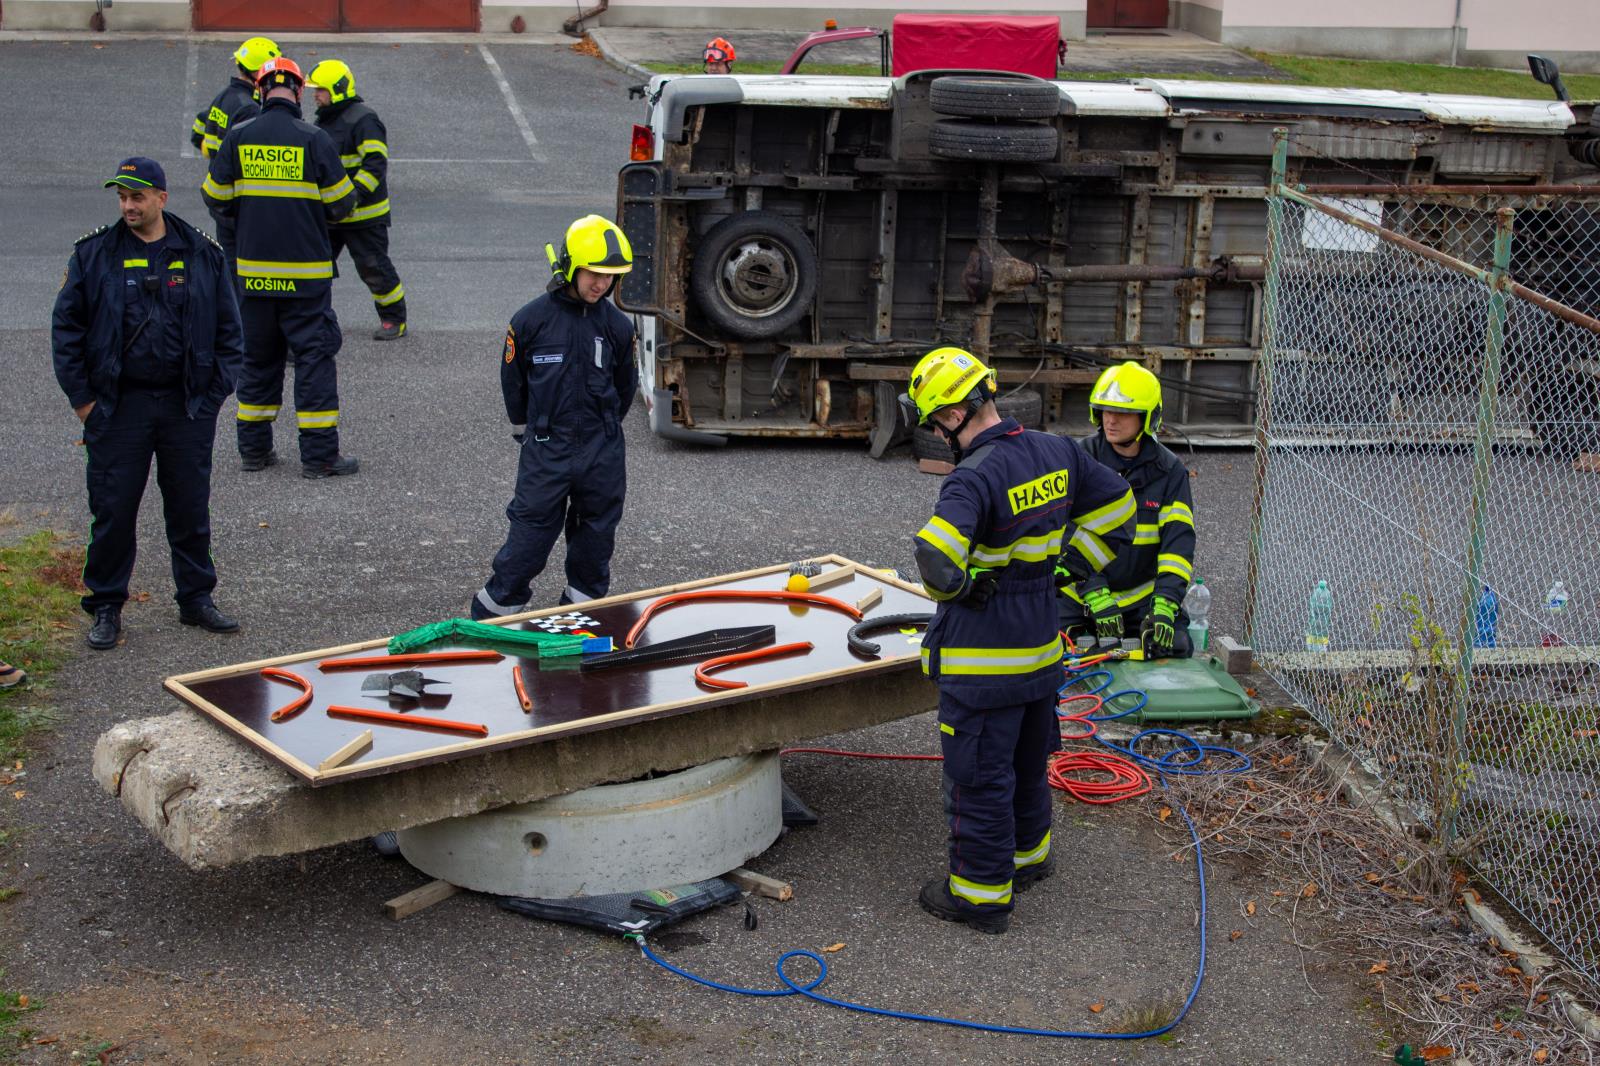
column 1319, row 623
column 1488, row 617
column 1197, row 605
column 1555, row 605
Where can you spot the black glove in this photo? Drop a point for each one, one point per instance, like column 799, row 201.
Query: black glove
column 1160, row 628
column 1102, row 608
column 517, row 437
column 980, row 588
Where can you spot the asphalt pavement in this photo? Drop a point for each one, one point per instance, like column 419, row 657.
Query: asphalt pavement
column 495, row 147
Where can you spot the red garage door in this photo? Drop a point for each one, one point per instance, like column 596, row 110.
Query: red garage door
column 1127, row 14
column 336, row 15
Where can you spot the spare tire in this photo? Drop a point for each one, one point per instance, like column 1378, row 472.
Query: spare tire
column 1025, row 405
column 991, row 142
column 754, row 275
column 1012, row 98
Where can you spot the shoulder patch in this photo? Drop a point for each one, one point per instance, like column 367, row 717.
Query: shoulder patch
column 94, row 233
column 511, row 345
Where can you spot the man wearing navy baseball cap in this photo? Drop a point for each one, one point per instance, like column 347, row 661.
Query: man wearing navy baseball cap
column 147, row 342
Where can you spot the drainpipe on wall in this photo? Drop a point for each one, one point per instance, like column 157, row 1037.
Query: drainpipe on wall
column 1455, row 35
column 573, row 27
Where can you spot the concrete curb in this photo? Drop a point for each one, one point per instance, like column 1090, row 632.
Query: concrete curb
column 612, row 56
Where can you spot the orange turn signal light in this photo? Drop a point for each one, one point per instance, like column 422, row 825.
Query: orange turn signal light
column 830, row 24
column 643, row 148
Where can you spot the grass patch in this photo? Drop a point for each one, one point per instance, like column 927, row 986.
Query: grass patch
column 14, row 1007
column 1292, row 70
column 39, row 590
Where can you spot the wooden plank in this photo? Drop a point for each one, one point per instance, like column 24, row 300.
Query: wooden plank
column 761, row 884
column 404, row 906
column 869, row 601
column 833, row 577
column 935, row 466
column 357, row 746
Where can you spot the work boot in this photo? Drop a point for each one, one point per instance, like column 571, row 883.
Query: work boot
column 107, row 627
column 389, row 331
column 937, row 901
column 252, row 463
column 207, row 617
column 339, row 467
column 1028, row 876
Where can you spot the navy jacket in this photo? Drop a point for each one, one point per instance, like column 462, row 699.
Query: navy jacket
column 236, row 102
column 1161, row 561
column 1017, row 504
column 86, row 327
column 567, row 368
column 363, row 143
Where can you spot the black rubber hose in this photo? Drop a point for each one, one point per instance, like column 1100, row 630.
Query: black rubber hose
column 857, row 638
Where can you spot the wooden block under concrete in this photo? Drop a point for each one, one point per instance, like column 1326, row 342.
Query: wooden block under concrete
column 1236, row 658
column 869, row 601
column 935, row 466
column 761, row 885
column 417, row 899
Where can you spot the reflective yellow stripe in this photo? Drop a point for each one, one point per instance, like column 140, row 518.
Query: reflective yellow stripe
column 338, row 190
column 350, row 160
column 1124, row 598
column 1143, row 534
column 176, row 264
column 1092, row 547
column 135, row 263
column 1037, row 855
column 1169, row 563
column 370, row 147
column 317, row 419
column 251, row 412
column 1177, row 511
column 210, row 143
column 361, row 214
column 199, row 126
column 276, row 187
column 995, row 661
column 261, row 268
column 978, row 893
column 947, row 538
column 215, row 191
column 1105, row 519
column 393, row 296
column 946, row 729
column 1023, row 549
column 367, row 180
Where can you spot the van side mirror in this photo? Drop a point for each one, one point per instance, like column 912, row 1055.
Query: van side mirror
column 1544, row 71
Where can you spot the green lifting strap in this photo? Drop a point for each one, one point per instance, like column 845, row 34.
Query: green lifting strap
column 466, row 631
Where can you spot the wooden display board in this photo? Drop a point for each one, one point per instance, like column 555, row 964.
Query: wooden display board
column 565, row 698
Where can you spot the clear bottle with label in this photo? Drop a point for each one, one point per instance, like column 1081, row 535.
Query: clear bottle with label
column 1197, row 605
column 1555, row 606
column 1319, row 620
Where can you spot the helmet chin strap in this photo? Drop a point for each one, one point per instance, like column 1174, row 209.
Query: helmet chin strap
column 974, row 404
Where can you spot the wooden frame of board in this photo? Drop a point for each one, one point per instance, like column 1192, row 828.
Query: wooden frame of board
column 238, row 700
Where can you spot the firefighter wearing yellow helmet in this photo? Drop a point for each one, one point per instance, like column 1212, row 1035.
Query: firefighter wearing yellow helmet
column 363, row 143
column 1018, row 504
column 1148, row 582
column 568, row 378
column 238, row 101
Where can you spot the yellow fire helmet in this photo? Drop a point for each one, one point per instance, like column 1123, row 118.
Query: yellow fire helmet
column 256, row 51
column 334, row 76
column 1128, row 387
column 945, row 377
column 592, row 243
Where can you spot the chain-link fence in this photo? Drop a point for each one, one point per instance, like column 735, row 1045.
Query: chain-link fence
column 1429, row 445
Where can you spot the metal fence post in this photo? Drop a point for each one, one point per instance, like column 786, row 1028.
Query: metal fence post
column 1269, row 310
column 1482, row 461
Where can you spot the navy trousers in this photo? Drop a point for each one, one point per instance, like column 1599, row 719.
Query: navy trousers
column 996, row 797
column 273, row 328
column 369, row 250
column 148, row 424
column 566, row 487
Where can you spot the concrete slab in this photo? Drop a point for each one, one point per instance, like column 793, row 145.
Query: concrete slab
column 214, row 801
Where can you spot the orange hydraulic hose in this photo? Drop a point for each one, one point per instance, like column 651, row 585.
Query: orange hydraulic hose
column 296, row 705
column 774, row 595
column 522, row 689
column 391, row 718
column 420, row 658
column 702, row 671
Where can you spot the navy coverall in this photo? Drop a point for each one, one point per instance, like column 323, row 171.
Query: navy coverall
column 363, row 145
column 279, row 180
column 1161, row 562
column 1019, row 501
column 236, row 103
column 150, row 333
column 568, row 377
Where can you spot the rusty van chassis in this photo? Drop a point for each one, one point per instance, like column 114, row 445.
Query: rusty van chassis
column 1141, row 236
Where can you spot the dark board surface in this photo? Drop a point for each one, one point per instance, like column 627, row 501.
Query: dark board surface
column 565, row 698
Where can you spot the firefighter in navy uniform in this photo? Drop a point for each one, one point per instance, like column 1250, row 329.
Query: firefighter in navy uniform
column 1147, row 584
column 568, row 378
column 278, row 178
column 363, row 146
column 146, row 341
column 1017, row 502
column 236, row 103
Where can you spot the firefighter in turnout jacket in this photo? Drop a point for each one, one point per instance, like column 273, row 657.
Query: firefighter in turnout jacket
column 236, row 103
column 568, row 377
column 1147, row 584
column 1017, row 502
column 363, row 146
column 278, row 179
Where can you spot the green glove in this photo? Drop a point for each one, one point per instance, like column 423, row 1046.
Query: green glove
column 980, row 589
column 1103, row 608
column 1163, row 623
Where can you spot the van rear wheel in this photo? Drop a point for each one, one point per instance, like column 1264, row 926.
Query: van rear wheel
column 992, row 142
column 754, row 275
